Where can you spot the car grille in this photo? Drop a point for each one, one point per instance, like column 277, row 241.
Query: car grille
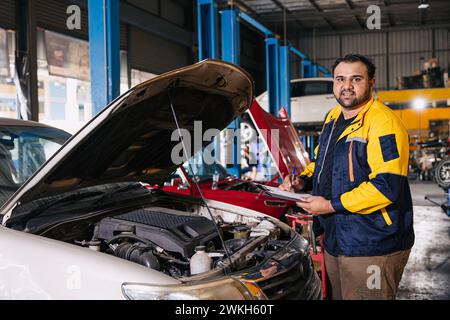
column 300, row 281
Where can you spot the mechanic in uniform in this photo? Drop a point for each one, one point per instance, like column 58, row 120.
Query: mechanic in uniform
column 361, row 198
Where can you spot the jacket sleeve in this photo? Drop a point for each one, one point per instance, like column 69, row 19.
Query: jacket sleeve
column 387, row 156
column 307, row 174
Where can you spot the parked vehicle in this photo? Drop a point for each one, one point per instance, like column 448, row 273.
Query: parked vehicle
column 289, row 152
column 442, row 173
column 230, row 189
column 311, row 99
column 442, row 166
column 24, row 147
column 428, row 162
column 83, row 226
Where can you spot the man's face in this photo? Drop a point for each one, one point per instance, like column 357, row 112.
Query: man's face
column 351, row 84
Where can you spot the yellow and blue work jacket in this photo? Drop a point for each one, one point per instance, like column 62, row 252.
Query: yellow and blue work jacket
column 370, row 190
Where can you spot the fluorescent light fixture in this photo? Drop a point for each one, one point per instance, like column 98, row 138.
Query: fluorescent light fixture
column 423, row 4
column 419, row 103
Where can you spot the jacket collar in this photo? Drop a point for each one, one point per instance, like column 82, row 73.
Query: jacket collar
column 356, row 123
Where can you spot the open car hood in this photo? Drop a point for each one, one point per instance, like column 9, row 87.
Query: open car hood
column 130, row 140
column 289, row 152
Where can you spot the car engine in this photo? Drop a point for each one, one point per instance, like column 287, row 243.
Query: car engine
column 165, row 240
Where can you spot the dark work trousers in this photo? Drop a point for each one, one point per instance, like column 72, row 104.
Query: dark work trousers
column 365, row 278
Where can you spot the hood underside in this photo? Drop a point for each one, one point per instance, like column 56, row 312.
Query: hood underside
column 130, row 140
column 281, row 139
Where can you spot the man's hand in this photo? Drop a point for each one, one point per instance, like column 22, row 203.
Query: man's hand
column 292, row 185
column 316, row 205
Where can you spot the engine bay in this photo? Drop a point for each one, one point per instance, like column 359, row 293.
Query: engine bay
column 166, row 240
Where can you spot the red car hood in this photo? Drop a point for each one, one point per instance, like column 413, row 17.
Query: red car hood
column 288, row 151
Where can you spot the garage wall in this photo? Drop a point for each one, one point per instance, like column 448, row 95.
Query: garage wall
column 173, row 11
column 147, row 52
column 7, row 14
column 151, row 6
column 153, row 54
column 395, row 53
column 253, row 56
column 442, row 46
column 52, row 15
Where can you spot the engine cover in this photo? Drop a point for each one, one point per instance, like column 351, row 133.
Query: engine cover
column 172, row 232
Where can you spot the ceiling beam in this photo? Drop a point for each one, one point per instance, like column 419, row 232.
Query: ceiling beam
column 314, row 4
column 351, row 7
column 319, row 10
column 444, row 24
column 392, row 8
column 283, row 7
column 244, row 7
column 349, row 4
column 361, row 24
column 332, row 26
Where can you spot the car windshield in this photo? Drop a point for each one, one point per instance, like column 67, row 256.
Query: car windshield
column 202, row 171
column 23, row 150
column 311, row 88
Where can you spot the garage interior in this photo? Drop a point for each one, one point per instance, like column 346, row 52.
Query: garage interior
column 63, row 61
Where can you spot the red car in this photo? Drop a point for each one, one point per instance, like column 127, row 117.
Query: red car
column 232, row 190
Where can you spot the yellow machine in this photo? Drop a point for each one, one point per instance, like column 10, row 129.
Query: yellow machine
column 418, row 107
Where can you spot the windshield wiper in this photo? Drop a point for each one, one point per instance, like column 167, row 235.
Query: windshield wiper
column 108, row 195
column 70, row 198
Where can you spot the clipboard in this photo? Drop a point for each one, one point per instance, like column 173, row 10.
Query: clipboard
column 285, row 195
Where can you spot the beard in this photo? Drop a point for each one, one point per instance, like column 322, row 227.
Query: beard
column 354, row 101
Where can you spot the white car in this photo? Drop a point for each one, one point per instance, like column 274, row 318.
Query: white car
column 84, row 227
column 24, row 147
column 311, row 99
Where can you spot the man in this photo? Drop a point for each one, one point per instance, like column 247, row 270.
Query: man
column 360, row 193
column 250, row 164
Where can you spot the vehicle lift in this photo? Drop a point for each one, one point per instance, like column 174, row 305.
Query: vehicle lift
column 277, row 57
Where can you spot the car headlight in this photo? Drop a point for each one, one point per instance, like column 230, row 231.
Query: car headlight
column 224, row 289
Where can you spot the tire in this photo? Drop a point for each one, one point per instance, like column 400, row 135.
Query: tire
column 442, row 174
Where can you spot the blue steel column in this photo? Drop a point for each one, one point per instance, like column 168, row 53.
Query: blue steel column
column 207, row 29
column 314, row 70
column 207, row 17
column 230, row 52
column 230, row 35
column 104, row 52
column 273, row 74
column 306, row 68
column 326, row 72
column 285, row 79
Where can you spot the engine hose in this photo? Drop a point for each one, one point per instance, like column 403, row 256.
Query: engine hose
column 128, row 236
column 174, row 260
column 134, row 252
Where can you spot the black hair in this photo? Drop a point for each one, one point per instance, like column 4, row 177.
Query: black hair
column 349, row 58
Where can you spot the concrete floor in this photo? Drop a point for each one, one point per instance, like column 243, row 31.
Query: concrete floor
column 427, row 274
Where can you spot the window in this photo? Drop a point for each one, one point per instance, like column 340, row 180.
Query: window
column 311, row 88
column 22, row 151
column 8, row 104
column 123, row 72
column 63, row 81
column 138, row 76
